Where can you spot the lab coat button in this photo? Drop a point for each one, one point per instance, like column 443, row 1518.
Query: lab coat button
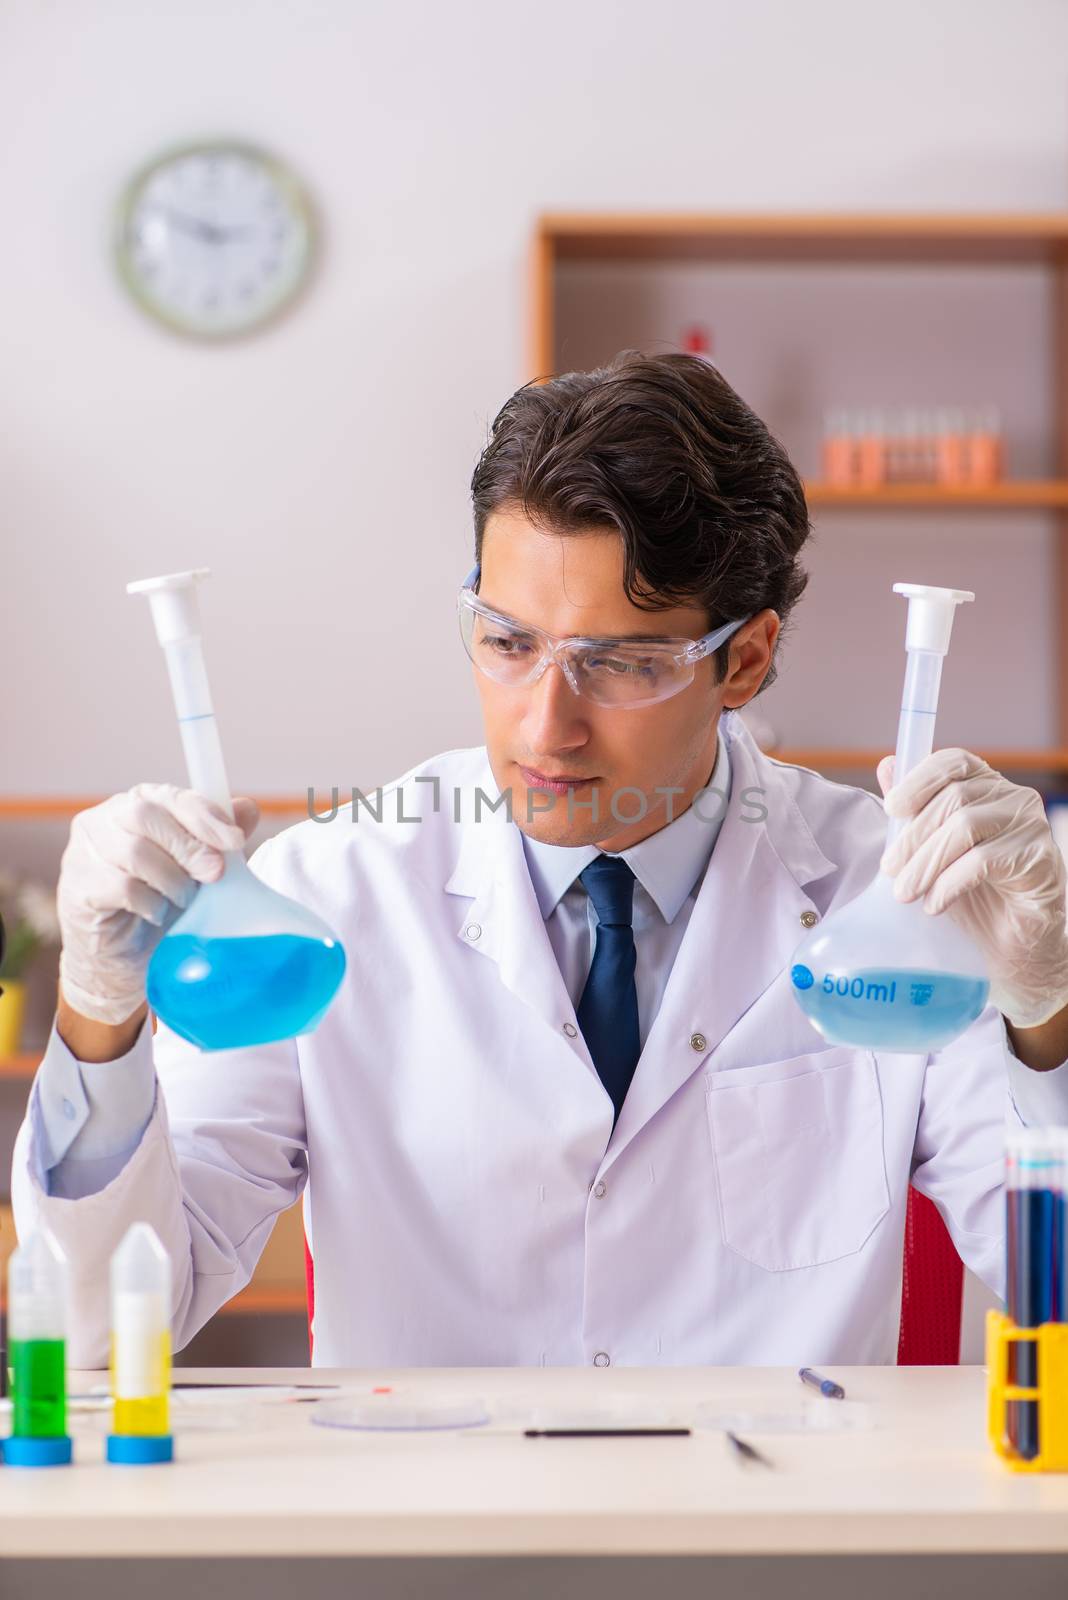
column 809, row 919
column 602, row 1359
column 473, row 931
column 570, row 1029
column 698, row 1042
column 600, row 1190
column 69, row 1111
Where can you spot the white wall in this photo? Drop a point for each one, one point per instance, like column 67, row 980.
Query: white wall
column 324, row 466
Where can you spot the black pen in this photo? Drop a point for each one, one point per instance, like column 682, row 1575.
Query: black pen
column 826, row 1386
column 606, row 1433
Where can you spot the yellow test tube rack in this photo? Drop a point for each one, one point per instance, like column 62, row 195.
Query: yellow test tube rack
column 1051, row 1392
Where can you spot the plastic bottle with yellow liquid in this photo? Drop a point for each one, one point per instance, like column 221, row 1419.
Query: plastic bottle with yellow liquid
column 140, row 1350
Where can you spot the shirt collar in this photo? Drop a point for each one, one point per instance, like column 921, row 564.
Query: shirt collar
column 667, row 864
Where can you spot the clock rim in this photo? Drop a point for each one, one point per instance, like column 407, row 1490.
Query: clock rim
column 296, row 194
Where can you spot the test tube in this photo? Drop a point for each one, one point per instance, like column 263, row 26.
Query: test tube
column 1032, row 1161
column 37, row 1352
column 949, row 449
column 871, row 450
column 1060, row 1228
column 838, row 447
column 140, row 1350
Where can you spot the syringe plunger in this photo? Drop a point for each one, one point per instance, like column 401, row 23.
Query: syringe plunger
column 176, row 614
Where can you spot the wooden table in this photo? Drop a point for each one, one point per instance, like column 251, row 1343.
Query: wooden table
column 916, row 1505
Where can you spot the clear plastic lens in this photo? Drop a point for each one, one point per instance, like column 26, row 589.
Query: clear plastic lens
column 625, row 679
column 608, row 673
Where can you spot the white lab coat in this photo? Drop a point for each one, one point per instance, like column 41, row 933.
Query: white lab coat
column 464, row 1194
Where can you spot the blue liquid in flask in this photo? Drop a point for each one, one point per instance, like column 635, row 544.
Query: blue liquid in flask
column 223, row 993
column 893, row 1008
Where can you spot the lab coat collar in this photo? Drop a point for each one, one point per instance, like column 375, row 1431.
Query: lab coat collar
column 667, row 864
column 503, row 922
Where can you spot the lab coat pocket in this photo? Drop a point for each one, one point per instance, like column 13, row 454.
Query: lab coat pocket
column 799, row 1158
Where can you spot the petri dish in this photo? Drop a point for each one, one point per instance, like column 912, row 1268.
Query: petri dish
column 401, row 1412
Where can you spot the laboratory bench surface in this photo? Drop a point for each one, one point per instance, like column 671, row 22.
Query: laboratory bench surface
column 262, row 1481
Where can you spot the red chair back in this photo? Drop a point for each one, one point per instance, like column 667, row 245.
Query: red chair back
column 309, row 1279
column 932, row 1288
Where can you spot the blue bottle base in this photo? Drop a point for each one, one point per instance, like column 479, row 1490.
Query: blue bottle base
column 898, row 1009
column 224, row 994
column 140, row 1449
column 40, row 1452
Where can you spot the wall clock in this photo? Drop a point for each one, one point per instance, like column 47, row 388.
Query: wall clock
column 215, row 239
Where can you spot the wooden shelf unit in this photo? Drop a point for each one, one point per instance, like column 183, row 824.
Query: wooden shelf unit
column 965, row 239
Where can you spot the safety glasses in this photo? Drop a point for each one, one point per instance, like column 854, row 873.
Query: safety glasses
column 610, row 672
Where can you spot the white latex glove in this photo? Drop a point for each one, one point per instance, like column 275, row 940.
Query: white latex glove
column 982, row 848
column 131, row 866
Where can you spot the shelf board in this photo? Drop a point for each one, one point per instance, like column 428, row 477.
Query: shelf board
column 14, row 807
column 278, row 1300
column 1038, row 237
column 1037, row 494
column 20, row 1068
column 832, row 760
column 254, row 1302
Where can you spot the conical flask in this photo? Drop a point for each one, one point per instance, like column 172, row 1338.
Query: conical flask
column 882, row 973
column 243, row 964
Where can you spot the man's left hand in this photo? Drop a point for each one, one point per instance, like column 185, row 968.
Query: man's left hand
column 981, row 848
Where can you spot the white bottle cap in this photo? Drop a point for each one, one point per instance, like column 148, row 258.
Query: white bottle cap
column 931, row 613
column 141, row 1265
column 37, row 1289
column 173, row 599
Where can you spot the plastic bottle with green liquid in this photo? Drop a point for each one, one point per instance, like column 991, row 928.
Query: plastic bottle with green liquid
column 37, row 1352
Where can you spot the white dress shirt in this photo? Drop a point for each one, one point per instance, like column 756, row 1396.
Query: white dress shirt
column 668, row 866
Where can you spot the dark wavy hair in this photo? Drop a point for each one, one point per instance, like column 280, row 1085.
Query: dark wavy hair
column 708, row 504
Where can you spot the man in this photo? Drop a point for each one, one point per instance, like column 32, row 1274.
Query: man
column 564, row 1108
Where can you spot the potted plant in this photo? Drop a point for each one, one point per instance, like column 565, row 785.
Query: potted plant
column 28, row 912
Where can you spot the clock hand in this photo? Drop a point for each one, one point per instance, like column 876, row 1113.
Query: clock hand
column 210, row 232
column 193, row 225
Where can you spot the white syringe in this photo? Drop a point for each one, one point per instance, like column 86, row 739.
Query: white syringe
column 927, row 635
column 176, row 614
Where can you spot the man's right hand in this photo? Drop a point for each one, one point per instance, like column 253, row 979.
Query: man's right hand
column 131, row 866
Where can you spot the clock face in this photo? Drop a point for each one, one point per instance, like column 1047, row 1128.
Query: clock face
column 214, row 240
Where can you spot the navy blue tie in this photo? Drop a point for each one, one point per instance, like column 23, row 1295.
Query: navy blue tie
column 608, row 1010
